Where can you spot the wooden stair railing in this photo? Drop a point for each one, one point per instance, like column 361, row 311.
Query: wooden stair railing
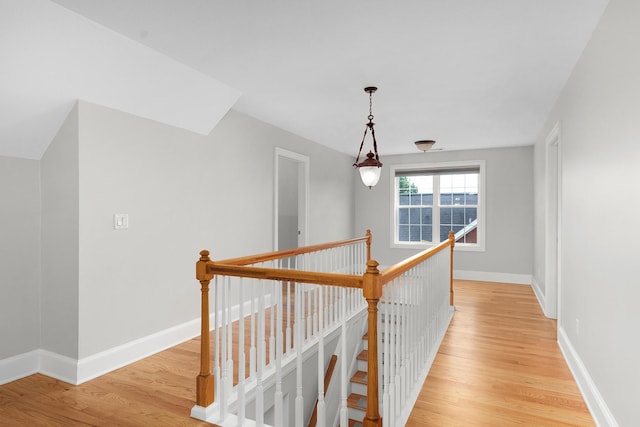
column 206, row 269
column 371, row 283
column 327, row 381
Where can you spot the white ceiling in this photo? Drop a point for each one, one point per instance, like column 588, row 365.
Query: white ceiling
column 468, row 73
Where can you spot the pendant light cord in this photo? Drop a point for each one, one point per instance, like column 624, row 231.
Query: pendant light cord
column 366, row 129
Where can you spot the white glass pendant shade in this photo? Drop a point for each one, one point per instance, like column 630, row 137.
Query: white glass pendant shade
column 370, row 175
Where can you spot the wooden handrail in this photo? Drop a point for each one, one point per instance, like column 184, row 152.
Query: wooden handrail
column 287, row 253
column 398, row 269
column 313, row 277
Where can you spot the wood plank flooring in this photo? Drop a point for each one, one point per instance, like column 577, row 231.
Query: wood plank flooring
column 499, row 365
column 156, row 391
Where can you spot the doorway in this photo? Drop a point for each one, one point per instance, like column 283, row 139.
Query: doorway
column 290, row 199
column 553, row 177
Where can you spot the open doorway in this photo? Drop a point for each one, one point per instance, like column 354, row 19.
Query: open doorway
column 553, row 178
column 290, row 204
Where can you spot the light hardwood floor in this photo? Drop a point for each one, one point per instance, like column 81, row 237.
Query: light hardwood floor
column 498, row 365
column 156, row 391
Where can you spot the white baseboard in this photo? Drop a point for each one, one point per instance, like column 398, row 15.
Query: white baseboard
column 20, row 366
column 487, row 276
column 539, row 295
column 57, row 366
column 76, row 372
column 101, row 363
column 592, row 397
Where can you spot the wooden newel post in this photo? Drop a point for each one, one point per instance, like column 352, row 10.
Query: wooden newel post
column 204, row 383
column 452, row 241
column 372, row 291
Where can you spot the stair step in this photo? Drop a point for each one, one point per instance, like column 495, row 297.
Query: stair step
column 354, row 423
column 357, row 401
column 359, row 377
column 364, row 357
column 365, row 338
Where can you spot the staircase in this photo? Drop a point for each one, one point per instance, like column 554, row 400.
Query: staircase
column 357, row 400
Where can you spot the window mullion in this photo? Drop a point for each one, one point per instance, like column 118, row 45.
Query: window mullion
column 435, row 234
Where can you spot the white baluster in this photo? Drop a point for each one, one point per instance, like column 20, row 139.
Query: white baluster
column 344, row 375
column 321, row 409
column 252, row 348
column 298, row 328
column 386, row 314
column 289, row 344
column 217, row 306
column 241, row 356
column 316, row 310
column 272, row 326
column 405, row 338
column 279, row 338
column 336, row 306
column 309, row 311
column 223, row 350
column 397, row 349
column 229, row 358
column 261, row 357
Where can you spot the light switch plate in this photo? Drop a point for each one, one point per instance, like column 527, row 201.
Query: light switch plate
column 120, row 221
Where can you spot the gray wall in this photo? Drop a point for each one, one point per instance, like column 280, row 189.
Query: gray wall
column 183, row 193
column 19, row 256
column 60, row 234
column 509, row 210
column 599, row 115
column 74, row 286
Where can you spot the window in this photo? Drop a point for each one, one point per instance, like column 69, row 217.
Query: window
column 432, row 199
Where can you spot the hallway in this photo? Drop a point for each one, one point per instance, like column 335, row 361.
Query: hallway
column 499, row 365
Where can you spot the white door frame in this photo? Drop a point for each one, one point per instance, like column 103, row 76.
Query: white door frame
column 553, row 216
column 303, row 191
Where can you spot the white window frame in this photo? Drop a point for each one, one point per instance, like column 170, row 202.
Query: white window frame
column 480, row 164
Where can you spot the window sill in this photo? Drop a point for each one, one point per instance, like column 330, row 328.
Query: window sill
column 464, row 247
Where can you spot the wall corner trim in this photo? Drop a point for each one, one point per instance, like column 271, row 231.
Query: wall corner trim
column 592, row 397
column 541, row 298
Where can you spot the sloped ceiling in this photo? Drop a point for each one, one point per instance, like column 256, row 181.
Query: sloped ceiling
column 468, row 73
column 52, row 57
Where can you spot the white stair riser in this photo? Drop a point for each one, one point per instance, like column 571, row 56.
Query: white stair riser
column 356, row 414
column 359, row 388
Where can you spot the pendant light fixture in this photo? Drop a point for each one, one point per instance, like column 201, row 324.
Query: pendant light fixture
column 370, row 168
